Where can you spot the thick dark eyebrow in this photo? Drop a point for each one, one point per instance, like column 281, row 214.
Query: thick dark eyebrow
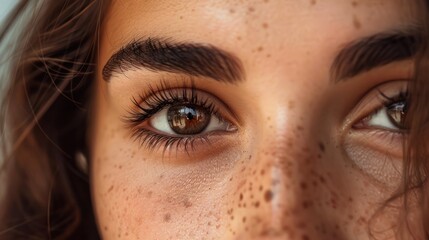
column 184, row 58
column 374, row 51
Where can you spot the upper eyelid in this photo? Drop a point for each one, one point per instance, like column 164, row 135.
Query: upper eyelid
column 175, row 94
column 372, row 101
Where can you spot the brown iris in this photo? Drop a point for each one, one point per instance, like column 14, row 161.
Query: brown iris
column 188, row 119
column 397, row 113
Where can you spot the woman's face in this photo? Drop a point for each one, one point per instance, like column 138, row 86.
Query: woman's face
column 268, row 119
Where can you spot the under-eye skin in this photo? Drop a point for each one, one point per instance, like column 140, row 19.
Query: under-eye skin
column 374, row 141
column 178, row 118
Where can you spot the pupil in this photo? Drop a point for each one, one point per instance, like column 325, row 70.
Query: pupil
column 188, row 119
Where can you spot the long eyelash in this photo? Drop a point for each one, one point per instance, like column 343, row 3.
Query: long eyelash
column 154, row 100
column 403, row 95
column 163, row 95
column 154, row 141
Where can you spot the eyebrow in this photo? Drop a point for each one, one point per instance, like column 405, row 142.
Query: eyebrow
column 168, row 56
column 374, row 51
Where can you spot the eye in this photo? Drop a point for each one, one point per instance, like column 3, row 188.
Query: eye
column 187, row 119
column 390, row 117
column 374, row 143
column 180, row 118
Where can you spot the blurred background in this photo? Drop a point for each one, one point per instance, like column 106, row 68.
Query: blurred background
column 5, row 7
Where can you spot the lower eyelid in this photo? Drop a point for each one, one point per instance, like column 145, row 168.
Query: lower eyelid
column 204, row 145
column 383, row 141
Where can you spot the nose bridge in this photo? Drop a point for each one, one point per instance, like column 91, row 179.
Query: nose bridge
column 288, row 154
column 279, row 194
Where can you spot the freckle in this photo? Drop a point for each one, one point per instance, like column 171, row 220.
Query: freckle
column 262, row 172
column 268, row 55
column 313, row 2
column 250, row 157
column 322, row 179
column 291, row 105
column 120, row 166
column 355, row 4
column 149, row 194
column 110, row 189
column 187, row 203
column 307, row 204
column 181, row 17
column 304, row 185
column 232, row 10
column 167, row 217
column 251, row 9
column 268, row 196
column 356, row 22
column 305, row 237
column 300, row 128
column 265, row 25
column 322, row 146
column 244, row 219
column 261, row 188
column 260, row 49
column 241, row 196
column 257, row 204
column 106, row 229
column 351, row 217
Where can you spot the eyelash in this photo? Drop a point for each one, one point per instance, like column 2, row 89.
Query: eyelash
column 386, row 101
column 157, row 98
column 403, row 95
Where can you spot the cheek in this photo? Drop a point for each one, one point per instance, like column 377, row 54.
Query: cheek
column 283, row 187
column 138, row 195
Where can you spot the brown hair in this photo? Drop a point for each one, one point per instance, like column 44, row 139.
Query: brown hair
column 44, row 116
column 44, row 111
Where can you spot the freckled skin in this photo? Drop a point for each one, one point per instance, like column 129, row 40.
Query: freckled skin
column 283, row 174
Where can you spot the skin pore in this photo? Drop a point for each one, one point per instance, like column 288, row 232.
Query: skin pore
column 299, row 148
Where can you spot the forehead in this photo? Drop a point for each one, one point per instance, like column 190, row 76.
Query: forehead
column 244, row 27
column 196, row 18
